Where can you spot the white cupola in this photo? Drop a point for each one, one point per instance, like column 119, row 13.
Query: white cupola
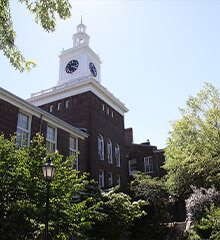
column 81, row 37
column 79, row 62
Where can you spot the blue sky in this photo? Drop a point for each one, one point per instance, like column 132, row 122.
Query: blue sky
column 155, row 55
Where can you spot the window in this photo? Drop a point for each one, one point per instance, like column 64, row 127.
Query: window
column 112, row 114
column 103, row 107
column 110, row 180
column 67, row 103
column 118, row 180
column 51, row 108
column 148, row 164
column 109, row 151
column 59, row 106
column 101, row 178
column 108, row 111
column 81, row 40
column 101, row 147
column 132, row 167
column 77, row 42
column 23, row 131
column 73, row 149
column 51, row 139
column 117, row 155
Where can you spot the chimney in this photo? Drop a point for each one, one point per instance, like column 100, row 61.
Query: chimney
column 146, row 143
column 128, row 136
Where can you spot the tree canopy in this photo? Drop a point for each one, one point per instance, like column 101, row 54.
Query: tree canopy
column 22, row 194
column 78, row 207
column 193, row 151
column 45, row 14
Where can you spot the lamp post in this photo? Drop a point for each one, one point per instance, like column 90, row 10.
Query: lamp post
column 48, row 172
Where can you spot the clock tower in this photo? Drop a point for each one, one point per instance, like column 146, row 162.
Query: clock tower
column 79, row 62
column 82, row 101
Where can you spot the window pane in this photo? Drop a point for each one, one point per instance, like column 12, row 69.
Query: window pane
column 22, row 121
column 73, row 143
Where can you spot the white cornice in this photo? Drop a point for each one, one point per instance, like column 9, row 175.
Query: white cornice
column 82, row 47
column 77, row 87
column 33, row 110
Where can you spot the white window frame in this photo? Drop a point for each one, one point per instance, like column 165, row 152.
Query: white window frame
column 148, row 164
column 130, row 163
column 109, row 151
column 51, row 141
column 117, row 155
column 101, row 147
column 51, row 108
column 110, row 179
column 103, row 107
column 67, row 103
column 108, row 110
column 118, row 180
column 73, row 152
column 101, row 178
column 24, row 130
column 59, row 106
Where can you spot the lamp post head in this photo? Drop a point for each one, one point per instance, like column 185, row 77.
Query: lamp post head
column 48, row 170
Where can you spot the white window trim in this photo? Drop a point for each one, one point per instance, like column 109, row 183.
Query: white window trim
column 75, row 151
column 117, row 159
column 51, row 108
column 147, row 159
column 29, row 125
column 109, row 154
column 67, row 104
column 118, row 180
column 102, row 182
column 49, row 140
column 59, row 106
column 101, row 148
column 110, row 179
column 132, row 172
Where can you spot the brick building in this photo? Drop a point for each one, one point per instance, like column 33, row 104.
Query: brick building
column 19, row 116
column 80, row 108
column 143, row 157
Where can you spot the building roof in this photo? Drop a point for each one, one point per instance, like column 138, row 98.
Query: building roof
column 82, row 85
column 38, row 112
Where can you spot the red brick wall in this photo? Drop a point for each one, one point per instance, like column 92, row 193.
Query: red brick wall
column 86, row 111
column 8, row 118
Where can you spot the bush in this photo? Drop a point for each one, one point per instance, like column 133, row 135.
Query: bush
column 199, row 200
column 118, row 213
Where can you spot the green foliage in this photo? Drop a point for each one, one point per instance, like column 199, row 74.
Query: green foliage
column 156, row 194
column 44, row 12
column 193, row 151
column 208, row 227
column 22, row 194
column 119, row 213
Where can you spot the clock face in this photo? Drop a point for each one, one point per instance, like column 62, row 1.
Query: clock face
column 72, row 66
column 92, row 69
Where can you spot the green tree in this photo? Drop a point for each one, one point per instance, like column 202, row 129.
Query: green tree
column 193, row 151
column 22, row 194
column 118, row 215
column 156, row 194
column 45, row 14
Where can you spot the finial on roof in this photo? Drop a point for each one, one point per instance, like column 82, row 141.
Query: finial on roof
column 81, row 18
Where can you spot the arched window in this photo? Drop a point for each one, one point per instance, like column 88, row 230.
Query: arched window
column 101, row 147
column 117, row 155
column 109, row 151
